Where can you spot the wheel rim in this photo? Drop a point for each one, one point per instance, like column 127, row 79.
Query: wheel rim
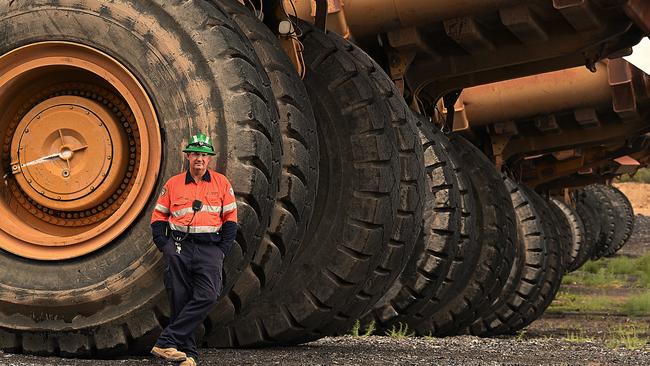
column 81, row 148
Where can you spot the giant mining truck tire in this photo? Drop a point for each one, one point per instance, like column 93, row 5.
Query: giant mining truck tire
column 489, row 270
column 555, row 233
column 299, row 176
column 565, row 233
column 412, row 187
column 605, row 213
column 588, row 213
column 438, row 244
column 526, row 279
column 624, row 214
column 580, row 251
column 362, row 204
column 114, row 89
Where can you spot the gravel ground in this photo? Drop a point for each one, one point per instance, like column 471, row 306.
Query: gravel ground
column 375, row 350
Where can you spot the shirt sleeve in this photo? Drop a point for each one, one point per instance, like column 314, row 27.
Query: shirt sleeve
column 229, row 209
column 161, row 211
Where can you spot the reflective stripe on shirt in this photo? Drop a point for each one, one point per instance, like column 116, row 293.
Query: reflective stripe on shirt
column 162, row 208
column 230, row 207
column 188, row 210
column 195, row 229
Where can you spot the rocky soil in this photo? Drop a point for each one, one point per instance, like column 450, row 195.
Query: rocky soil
column 637, row 193
column 377, row 350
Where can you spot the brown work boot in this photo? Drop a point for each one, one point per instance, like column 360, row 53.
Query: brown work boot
column 170, row 354
column 188, row 362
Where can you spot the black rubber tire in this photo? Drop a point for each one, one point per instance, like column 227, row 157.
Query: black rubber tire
column 412, row 187
column 606, row 215
column 497, row 236
column 624, row 214
column 356, row 207
column 580, row 251
column 564, row 232
column 554, row 265
column 298, row 179
column 207, row 65
column 437, row 245
column 527, row 276
column 589, row 216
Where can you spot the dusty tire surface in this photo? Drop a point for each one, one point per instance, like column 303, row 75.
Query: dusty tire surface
column 407, row 226
column 579, row 252
column 624, row 214
column 605, row 213
column 516, row 302
column 299, row 174
column 555, row 234
column 192, row 63
column 564, row 232
column 356, row 206
column 589, row 216
column 436, row 247
column 496, row 235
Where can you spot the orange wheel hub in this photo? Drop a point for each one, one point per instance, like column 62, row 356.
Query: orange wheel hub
column 82, row 148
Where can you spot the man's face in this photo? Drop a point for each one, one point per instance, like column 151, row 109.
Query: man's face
column 198, row 161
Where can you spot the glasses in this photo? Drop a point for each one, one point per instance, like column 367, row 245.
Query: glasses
column 198, row 154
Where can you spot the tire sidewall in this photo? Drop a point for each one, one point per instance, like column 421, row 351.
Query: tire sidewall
column 153, row 54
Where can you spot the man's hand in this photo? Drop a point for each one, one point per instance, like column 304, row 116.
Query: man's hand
column 228, row 234
column 158, row 231
column 169, row 248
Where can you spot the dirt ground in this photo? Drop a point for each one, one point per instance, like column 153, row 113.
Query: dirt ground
column 639, row 196
column 547, row 341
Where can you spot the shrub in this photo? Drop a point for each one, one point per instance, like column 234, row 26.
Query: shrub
column 638, row 305
column 400, row 330
column 642, row 176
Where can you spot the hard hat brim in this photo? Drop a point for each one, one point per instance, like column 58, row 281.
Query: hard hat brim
column 199, row 149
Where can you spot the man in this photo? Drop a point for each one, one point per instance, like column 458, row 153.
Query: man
column 194, row 224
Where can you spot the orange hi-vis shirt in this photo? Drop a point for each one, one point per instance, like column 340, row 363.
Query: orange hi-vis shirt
column 174, row 204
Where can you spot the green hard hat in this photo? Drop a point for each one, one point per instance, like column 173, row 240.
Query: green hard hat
column 200, row 143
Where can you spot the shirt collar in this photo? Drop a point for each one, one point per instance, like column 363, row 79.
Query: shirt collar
column 206, row 177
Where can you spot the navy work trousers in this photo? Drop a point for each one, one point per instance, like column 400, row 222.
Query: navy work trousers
column 193, row 283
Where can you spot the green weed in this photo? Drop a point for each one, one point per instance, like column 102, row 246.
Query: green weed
column 612, row 272
column 642, row 176
column 638, row 305
column 643, row 271
column 570, row 302
column 354, row 331
column 601, row 279
column 578, row 337
column 400, row 330
column 370, row 329
column 592, row 266
column 626, row 337
column 521, row 335
column 429, row 336
column 621, row 265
